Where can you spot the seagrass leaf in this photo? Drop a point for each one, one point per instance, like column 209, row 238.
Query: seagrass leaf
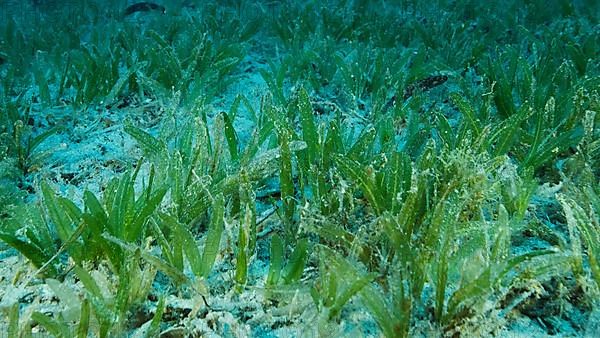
column 276, row 260
column 13, row 321
column 213, row 238
column 309, row 129
column 177, row 276
column 36, row 255
column 241, row 259
column 136, row 225
column 468, row 112
column 154, row 329
column 88, row 282
column 507, row 132
column 84, row 320
column 359, row 174
column 363, row 147
column 95, row 216
column 231, row 137
column 55, row 327
column 151, row 146
column 62, row 222
column 356, row 285
column 397, row 180
column 295, row 266
column 286, row 180
column 172, row 249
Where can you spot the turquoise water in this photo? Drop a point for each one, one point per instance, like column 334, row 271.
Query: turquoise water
column 299, row 168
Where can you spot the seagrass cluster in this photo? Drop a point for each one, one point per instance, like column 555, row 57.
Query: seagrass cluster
column 435, row 166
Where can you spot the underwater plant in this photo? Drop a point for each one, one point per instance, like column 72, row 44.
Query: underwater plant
column 288, row 168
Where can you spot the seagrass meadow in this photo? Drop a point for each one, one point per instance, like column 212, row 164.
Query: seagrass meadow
column 335, row 168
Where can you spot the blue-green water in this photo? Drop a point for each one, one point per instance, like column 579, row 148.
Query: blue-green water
column 299, row 168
